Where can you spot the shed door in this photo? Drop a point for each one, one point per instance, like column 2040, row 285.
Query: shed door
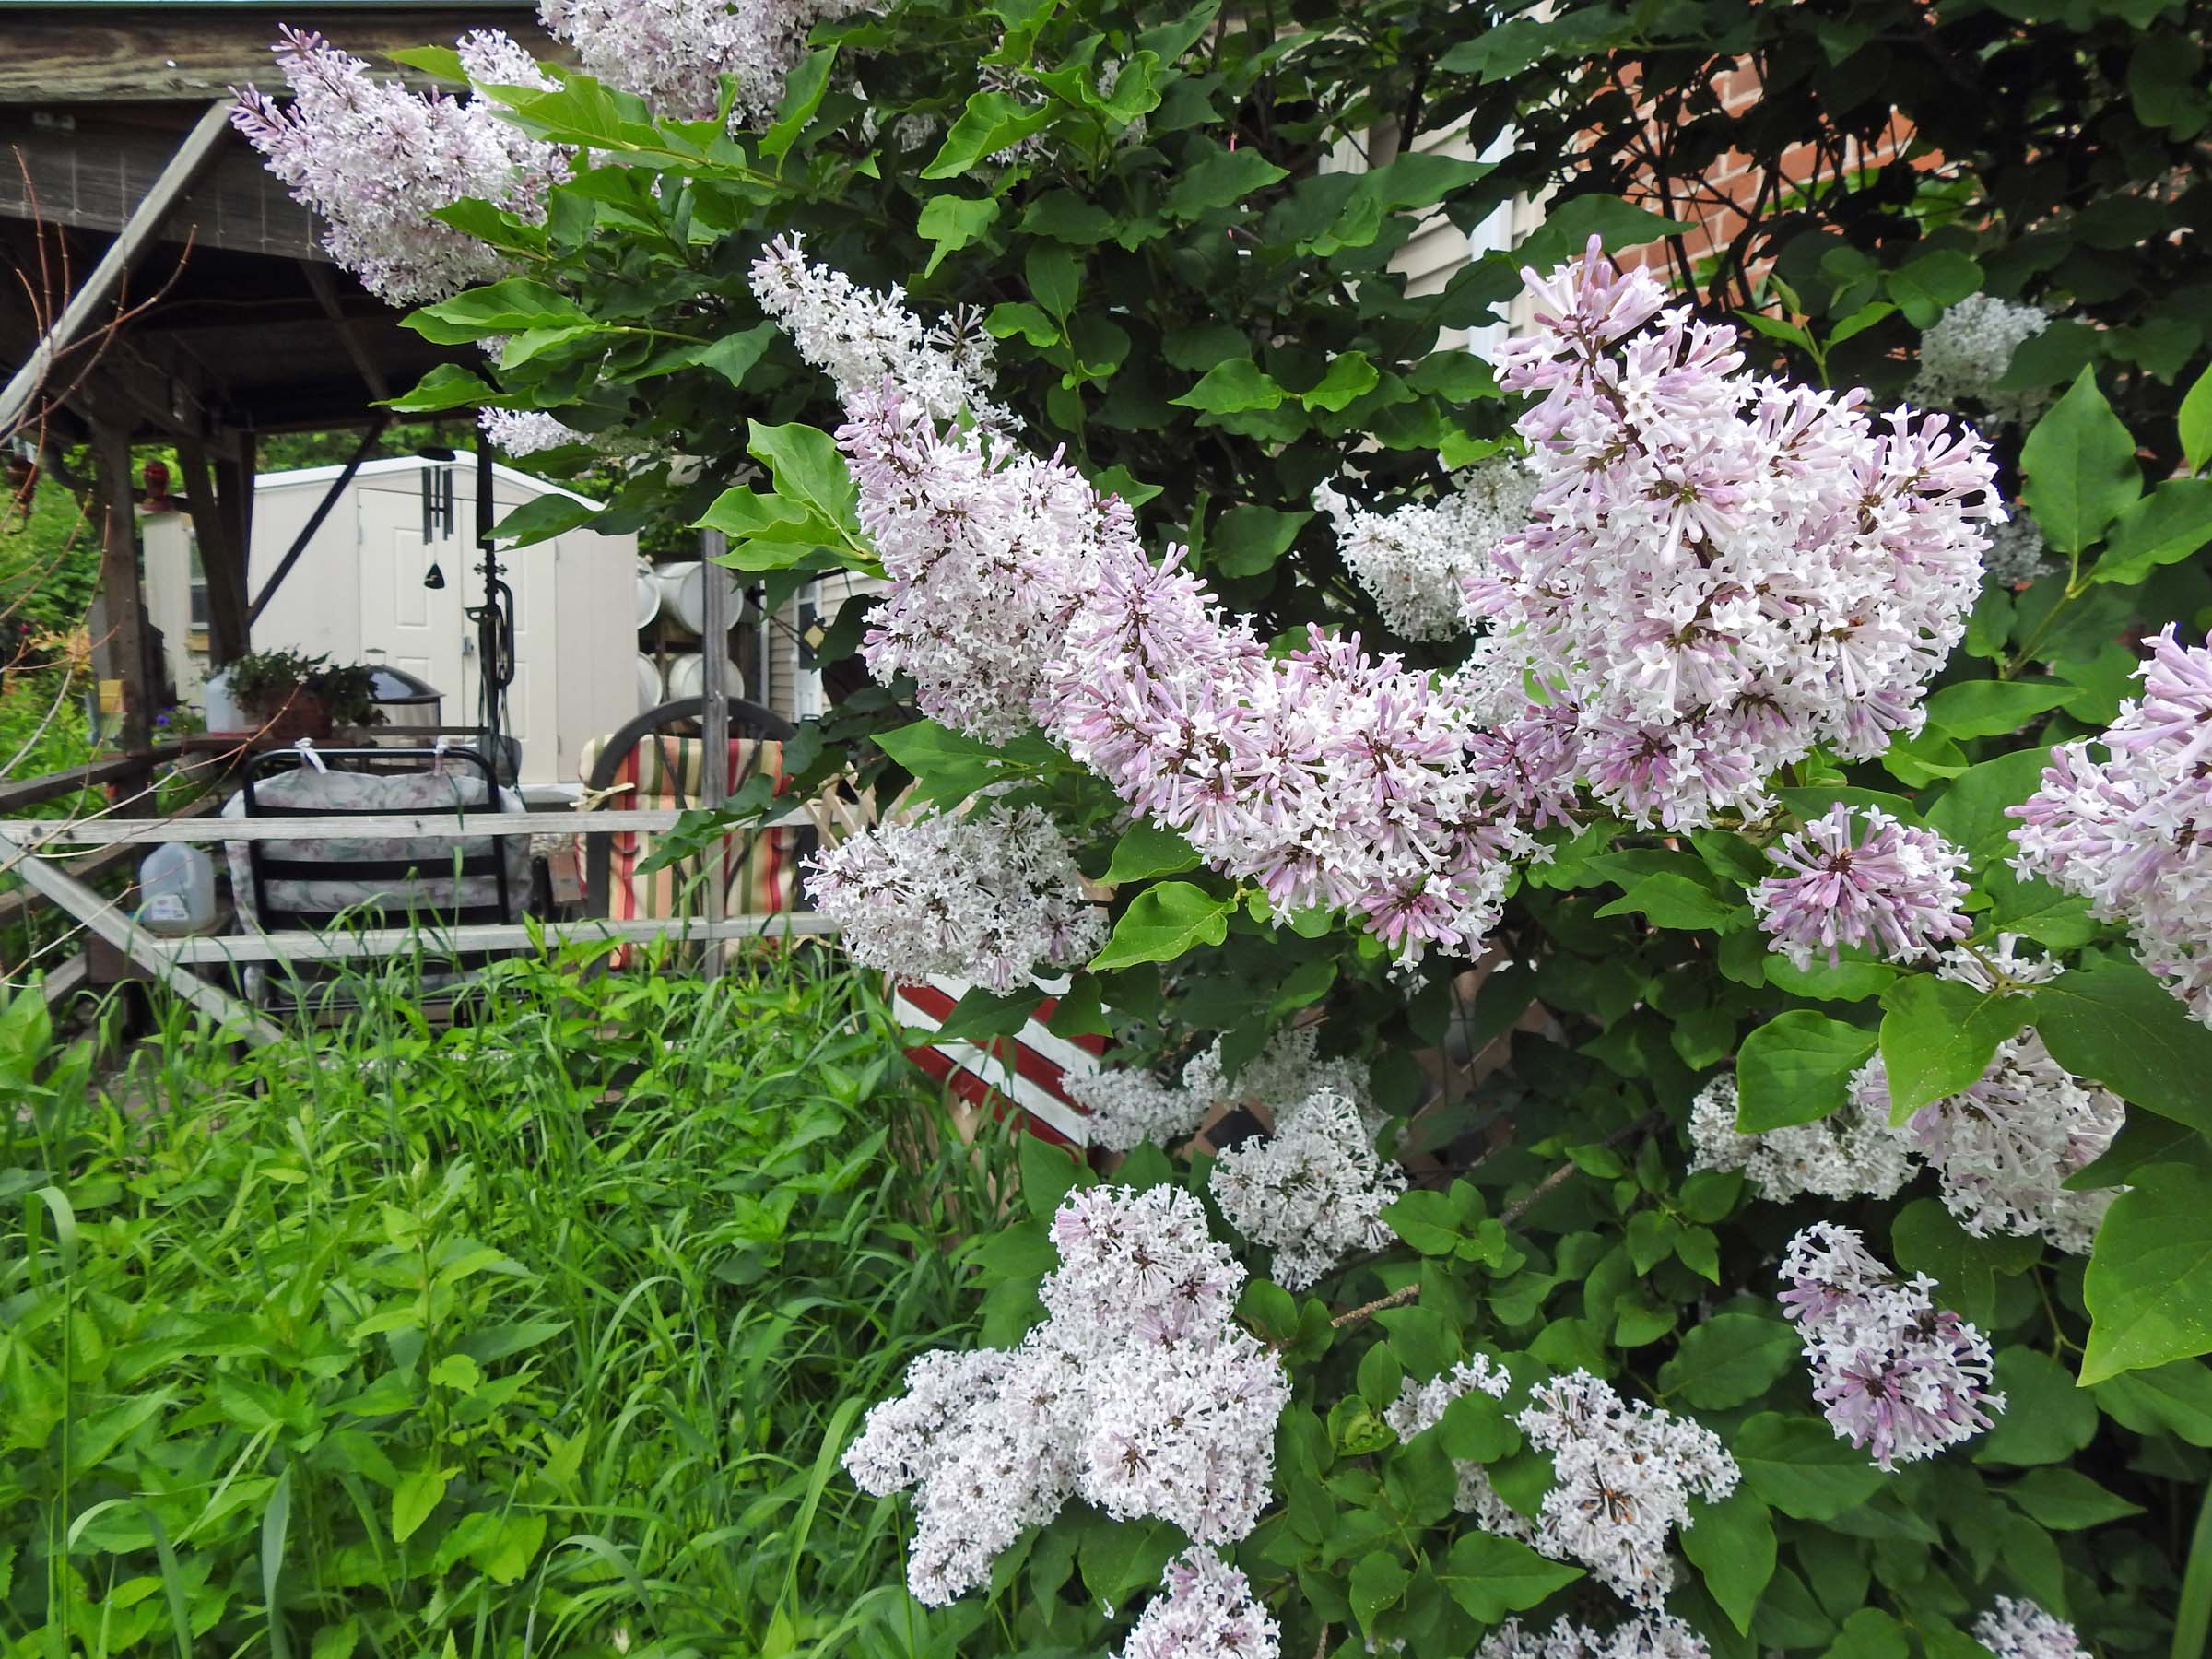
column 405, row 624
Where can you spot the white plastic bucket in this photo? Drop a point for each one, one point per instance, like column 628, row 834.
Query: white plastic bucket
column 649, row 594
column 649, row 683
column 684, row 593
column 687, row 677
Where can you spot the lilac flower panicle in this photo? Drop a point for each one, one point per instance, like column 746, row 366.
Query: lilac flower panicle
column 861, row 337
column 1895, row 1375
column 1129, row 1106
column 2132, row 831
column 1623, row 1474
column 990, row 898
column 1651, row 1635
column 1314, row 1191
column 1420, row 1407
column 1137, row 1394
column 1721, row 572
column 2017, row 1629
column 375, row 162
column 1715, row 576
column 1852, row 1152
column 673, row 54
column 1966, row 351
column 1205, row 1610
column 1414, row 561
column 1894, row 888
column 527, row 432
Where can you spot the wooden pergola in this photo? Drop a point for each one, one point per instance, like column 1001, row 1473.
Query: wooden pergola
column 166, row 288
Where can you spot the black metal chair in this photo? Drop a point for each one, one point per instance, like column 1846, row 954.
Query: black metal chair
column 390, row 881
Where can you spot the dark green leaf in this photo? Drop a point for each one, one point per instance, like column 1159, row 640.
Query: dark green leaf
column 1798, row 1466
column 1165, row 922
column 2113, row 1023
column 1730, row 1359
column 2149, row 1284
column 2081, row 469
column 1796, row 1068
column 1491, row 1577
column 1938, row 1037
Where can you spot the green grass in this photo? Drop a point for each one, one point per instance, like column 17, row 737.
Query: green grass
column 537, row 1335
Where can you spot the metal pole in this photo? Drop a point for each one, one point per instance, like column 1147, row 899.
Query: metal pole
column 21, row 399
column 491, row 618
column 715, row 721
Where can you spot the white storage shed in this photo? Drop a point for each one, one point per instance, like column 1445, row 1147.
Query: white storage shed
column 358, row 594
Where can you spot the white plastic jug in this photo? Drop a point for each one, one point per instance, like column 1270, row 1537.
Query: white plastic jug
column 176, row 891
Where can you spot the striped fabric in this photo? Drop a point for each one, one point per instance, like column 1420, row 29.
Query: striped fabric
column 1024, row 1071
column 760, row 872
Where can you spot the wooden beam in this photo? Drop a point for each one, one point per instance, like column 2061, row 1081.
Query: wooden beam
column 20, row 401
column 119, row 643
column 33, row 833
column 220, row 557
column 167, row 52
column 106, row 919
column 231, row 617
column 349, row 333
column 301, row 945
column 20, row 793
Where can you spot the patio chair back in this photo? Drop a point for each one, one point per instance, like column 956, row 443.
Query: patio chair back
column 647, row 764
column 309, row 884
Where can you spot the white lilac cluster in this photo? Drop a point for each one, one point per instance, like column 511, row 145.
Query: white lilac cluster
column 1722, row 572
column 2015, row 1628
column 1649, row 1636
column 1206, row 1611
column 375, row 162
column 1137, row 1393
column 2003, row 1147
column 1130, row 1106
column 1623, row 1474
column 2000, row 1148
column 1414, row 561
column 1893, row 888
column 988, row 899
column 2016, row 552
column 673, row 54
column 1314, row 1191
column 2132, row 832
column 1967, row 350
column 1853, row 1151
column 863, row 336
column 527, row 432
column 1420, row 1407
column 1896, row 1376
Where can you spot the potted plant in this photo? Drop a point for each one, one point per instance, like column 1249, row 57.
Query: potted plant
column 286, row 695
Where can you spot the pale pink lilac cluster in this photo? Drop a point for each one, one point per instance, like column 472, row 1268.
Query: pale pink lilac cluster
column 1896, row 1376
column 991, row 898
column 2132, row 831
column 1327, row 778
column 673, row 54
column 1415, row 559
column 1893, row 888
column 1137, row 1394
column 2016, row 1629
column 1652, row 1635
column 1850, row 1152
column 1422, row 1405
column 862, row 337
column 375, row 162
column 1313, row 1193
column 1623, row 1474
column 1822, row 574
column 1204, row 1610
column 1721, row 572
